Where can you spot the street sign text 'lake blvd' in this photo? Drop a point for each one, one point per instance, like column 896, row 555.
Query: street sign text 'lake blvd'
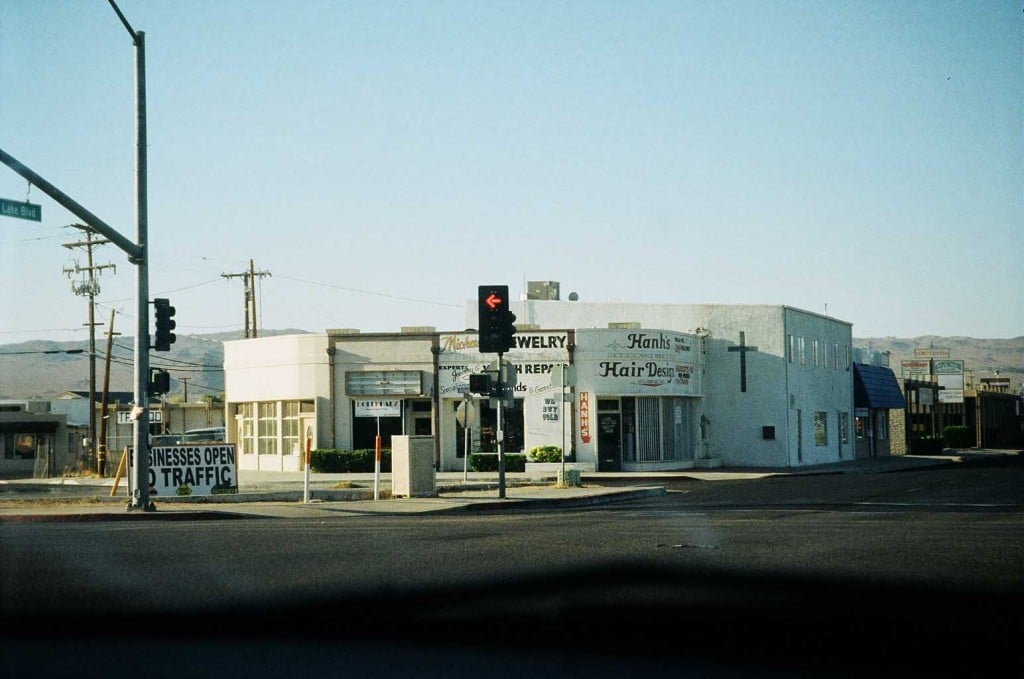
column 26, row 210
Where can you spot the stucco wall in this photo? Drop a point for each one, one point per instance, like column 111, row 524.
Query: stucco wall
column 286, row 367
column 775, row 390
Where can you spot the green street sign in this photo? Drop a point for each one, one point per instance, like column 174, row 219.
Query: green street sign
column 13, row 208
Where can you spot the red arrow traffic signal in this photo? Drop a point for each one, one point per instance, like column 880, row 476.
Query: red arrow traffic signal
column 495, row 319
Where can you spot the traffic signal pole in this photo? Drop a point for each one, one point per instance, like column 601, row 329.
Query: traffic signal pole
column 140, row 494
column 496, row 331
column 137, row 254
column 501, row 431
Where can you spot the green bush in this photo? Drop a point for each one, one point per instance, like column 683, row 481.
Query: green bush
column 958, row 437
column 488, row 462
column 545, row 454
column 332, row 461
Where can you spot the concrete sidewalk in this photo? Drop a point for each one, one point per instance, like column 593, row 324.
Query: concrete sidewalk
column 280, row 494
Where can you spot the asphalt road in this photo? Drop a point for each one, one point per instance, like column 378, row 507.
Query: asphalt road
column 915, row 550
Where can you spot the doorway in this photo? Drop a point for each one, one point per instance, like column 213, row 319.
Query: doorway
column 609, row 442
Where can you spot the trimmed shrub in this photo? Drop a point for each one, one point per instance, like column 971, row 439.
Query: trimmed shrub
column 488, row 462
column 545, row 454
column 958, row 437
column 333, row 461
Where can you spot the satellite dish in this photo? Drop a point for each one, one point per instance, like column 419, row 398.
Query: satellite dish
column 573, row 297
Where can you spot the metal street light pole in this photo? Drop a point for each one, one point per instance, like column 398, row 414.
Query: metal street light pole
column 137, row 255
column 140, row 493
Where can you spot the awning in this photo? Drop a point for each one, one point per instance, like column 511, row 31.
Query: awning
column 29, row 427
column 875, row 387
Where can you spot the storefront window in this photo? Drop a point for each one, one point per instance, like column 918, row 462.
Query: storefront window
column 267, row 428
column 821, row 428
column 648, row 429
column 861, row 426
column 655, row 429
column 364, row 430
column 513, row 428
column 290, row 430
column 24, row 446
column 247, row 428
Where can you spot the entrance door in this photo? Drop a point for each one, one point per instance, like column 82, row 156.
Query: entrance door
column 609, row 442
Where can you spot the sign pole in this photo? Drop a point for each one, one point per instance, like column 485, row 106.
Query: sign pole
column 305, row 480
column 562, row 423
column 376, row 463
column 501, row 433
column 465, row 448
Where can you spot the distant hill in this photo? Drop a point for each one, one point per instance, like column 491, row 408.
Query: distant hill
column 981, row 357
column 27, row 372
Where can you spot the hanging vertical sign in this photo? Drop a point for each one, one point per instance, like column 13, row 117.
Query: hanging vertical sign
column 585, row 417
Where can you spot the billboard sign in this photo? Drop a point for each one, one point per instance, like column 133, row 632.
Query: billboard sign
column 192, row 470
column 950, row 375
column 932, row 352
column 915, row 369
column 388, row 408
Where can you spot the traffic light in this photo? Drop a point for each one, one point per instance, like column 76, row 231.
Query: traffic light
column 509, row 330
column 164, row 313
column 480, row 384
column 496, row 321
column 159, row 382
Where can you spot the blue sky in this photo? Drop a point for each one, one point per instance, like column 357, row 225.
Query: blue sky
column 382, row 159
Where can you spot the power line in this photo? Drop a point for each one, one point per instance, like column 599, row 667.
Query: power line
column 371, row 292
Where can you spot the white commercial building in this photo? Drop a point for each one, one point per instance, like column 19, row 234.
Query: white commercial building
column 619, row 386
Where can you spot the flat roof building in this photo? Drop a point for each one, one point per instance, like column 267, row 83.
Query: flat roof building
column 619, row 386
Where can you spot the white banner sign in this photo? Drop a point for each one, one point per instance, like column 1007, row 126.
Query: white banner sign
column 392, row 408
column 192, row 470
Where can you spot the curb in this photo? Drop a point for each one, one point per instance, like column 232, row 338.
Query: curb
column 581, row 501
column 202, row 515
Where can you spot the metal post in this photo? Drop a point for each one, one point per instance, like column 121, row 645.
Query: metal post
column 140, row 494
column 501, row 432
column 562, row 418
column 92, row 454
column 376, row 464
column 465, row 448
column 305, row 479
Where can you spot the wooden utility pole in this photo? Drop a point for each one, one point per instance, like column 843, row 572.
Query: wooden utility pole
column 89, row 287
column 101, row 449
column 249, row 284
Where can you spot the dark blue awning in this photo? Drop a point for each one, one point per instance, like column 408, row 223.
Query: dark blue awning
column 875, row 387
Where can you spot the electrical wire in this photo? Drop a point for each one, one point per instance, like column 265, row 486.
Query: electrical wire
column 369, row 292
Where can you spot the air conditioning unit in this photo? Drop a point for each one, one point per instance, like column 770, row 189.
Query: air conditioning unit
column 542, row 290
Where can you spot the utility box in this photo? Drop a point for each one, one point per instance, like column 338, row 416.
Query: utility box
column 412, row 466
